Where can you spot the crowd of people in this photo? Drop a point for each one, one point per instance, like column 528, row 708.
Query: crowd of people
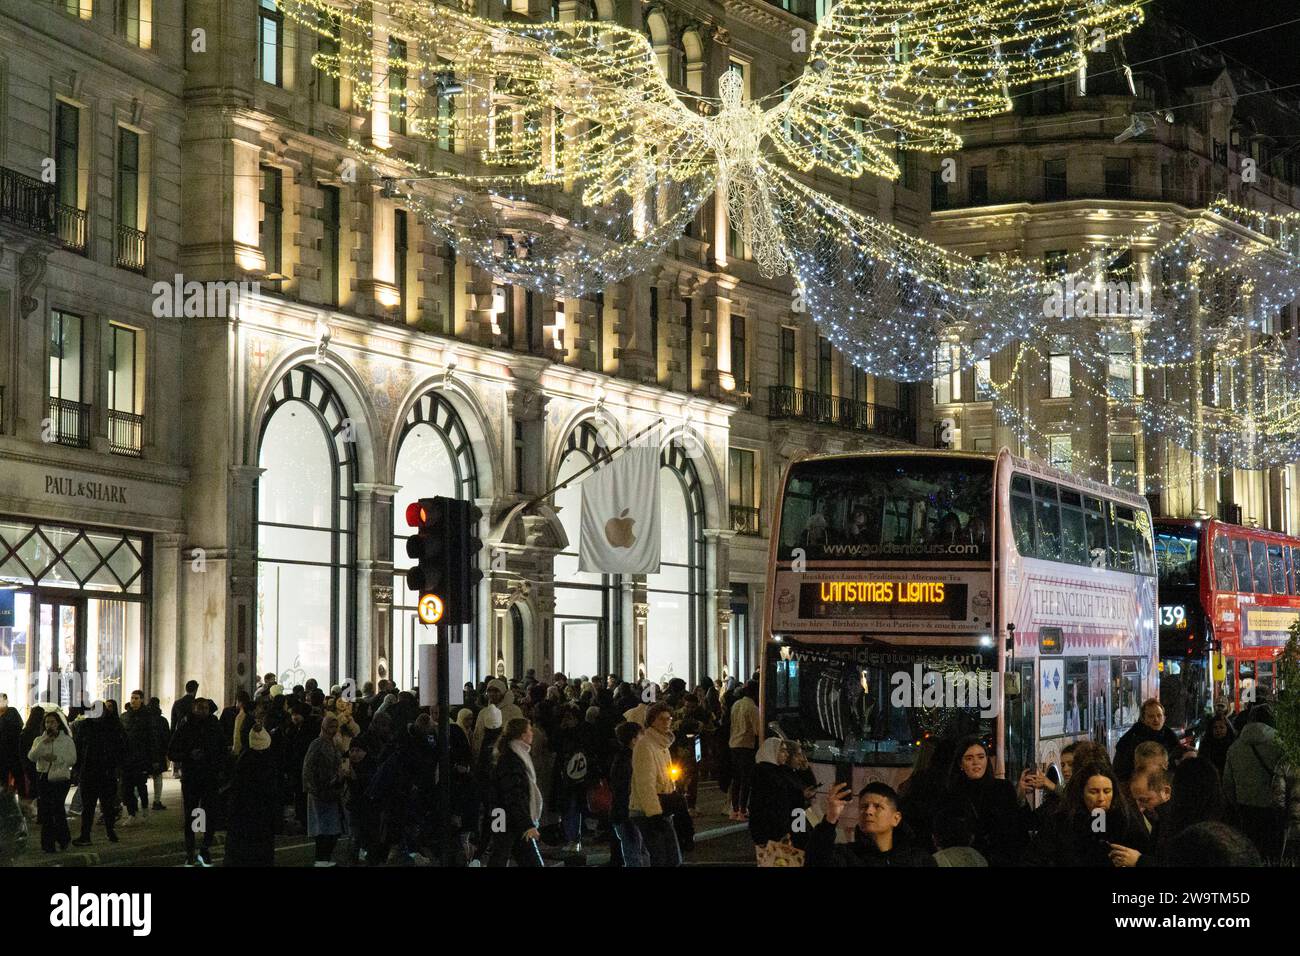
column 565, row 762
column 1231, row 800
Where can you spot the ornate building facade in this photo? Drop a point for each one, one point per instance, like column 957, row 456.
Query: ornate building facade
column 1051, row 180
column 308, row 359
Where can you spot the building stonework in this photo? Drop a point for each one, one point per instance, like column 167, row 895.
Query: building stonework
column 1050, row 178
column 281, row 437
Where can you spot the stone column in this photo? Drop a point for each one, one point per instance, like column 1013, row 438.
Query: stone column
column 373, row 649
column 241, row 558
column 640, row 627
column 162, row 670
column 713, row 652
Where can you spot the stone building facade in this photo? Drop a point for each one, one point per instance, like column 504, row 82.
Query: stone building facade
column 1050, row 179
column 312, row 360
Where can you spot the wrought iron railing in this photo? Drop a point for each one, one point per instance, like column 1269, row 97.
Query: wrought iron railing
column 131, row 248
column 71, row 227
column 125, row 433
column 26, row 201
column 822, row 409
column 744, row 520
column 70, row 422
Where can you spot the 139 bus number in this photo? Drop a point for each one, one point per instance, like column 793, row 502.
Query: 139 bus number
column 1173, row 615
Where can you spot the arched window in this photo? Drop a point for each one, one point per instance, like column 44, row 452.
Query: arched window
column 586, row 605
column 305, row 542
column 434, row 458
column 676, row 624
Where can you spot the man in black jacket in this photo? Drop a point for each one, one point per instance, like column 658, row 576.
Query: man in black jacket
column 141, row 745
column 185, row 705
column 198, row 746
column 101, row 749
column 1150, row 727
column 877, row 840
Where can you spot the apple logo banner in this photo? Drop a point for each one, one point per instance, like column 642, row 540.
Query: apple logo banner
column 620, row 515
column 618, row 531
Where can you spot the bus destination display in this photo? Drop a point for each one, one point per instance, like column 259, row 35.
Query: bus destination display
column 883, row 600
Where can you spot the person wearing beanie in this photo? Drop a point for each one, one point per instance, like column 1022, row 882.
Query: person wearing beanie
column 253, row 807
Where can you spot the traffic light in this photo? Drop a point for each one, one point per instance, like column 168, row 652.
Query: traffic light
column 465, row 546
column 445, row 550
column 430, row 549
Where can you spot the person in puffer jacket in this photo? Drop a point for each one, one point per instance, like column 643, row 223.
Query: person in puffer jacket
column 1248, row 781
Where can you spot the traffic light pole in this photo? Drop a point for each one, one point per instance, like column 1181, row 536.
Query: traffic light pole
column 444, row 739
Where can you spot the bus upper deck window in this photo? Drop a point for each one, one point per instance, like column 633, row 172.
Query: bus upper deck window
column 1124, row 542
column 1277, row 568
column 1022, row 524
column 1047, row 514
column 1095, row 525
column 1074, row 538
column 1241, row 558
column 1295, row 568
column 1259, row 563
column 1224, row 577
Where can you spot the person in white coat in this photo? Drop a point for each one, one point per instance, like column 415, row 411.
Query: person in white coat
column 54, row 755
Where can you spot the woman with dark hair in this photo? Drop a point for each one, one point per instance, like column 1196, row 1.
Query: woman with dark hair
column 1095, row 815
column 517, row 796
column 1214, row 743
column 923, row 793
column 32, row 731
column 53, row 755
column 1197, row 798
column 1001, row 820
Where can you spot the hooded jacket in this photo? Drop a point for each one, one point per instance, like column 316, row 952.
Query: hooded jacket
column 650, row 772
column 1248, row 771
column 862, row 850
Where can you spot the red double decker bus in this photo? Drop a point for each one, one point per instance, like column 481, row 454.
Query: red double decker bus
column 1228, row 596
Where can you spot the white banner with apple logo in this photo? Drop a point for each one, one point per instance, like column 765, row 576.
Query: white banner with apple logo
column 620, row 515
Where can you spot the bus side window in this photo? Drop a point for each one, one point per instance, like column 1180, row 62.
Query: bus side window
column 1241, row 558
column 1277, row 568
column 1125, row 556
column 1095, row 525
column 1259, row 561
column 1022, row 524
column 1224, row 578
column 1142, row 539
column 1295, row 568
column 1048, row 515
column 1074, row 542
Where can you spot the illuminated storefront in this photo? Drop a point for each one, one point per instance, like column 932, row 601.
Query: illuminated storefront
column 74, row 612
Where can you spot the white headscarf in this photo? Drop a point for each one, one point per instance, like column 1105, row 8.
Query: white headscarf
column 769, row 751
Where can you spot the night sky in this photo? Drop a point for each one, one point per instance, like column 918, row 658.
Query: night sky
column 1274, row 53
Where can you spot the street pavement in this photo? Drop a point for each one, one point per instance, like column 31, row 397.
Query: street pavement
column 159, row 841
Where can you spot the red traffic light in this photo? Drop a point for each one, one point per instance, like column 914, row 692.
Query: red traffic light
column 415, row 514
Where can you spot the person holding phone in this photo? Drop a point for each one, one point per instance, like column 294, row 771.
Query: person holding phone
column 877, row 839
column 54, row 755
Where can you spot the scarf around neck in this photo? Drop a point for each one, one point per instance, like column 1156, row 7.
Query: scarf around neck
column 522, row 750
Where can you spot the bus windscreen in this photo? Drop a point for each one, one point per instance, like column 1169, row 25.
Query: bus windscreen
column 874, row 705
column 886, row 508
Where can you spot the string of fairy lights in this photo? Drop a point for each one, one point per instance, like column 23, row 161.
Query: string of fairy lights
column 583, row 108
column 586, row 164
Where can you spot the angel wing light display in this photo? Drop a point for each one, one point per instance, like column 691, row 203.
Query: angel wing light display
column 581, row 163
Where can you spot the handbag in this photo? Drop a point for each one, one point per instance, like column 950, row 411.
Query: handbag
column 779, row 853
column 676, row 811
column 600, row 798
